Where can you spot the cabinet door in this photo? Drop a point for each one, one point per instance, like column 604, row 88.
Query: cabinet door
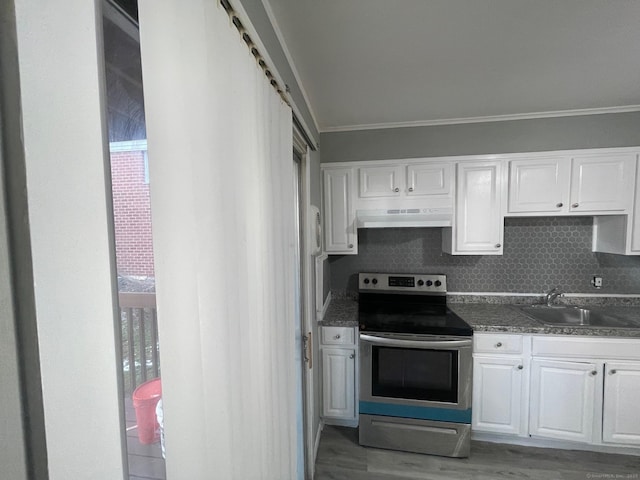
column 539, row 185
column 621, row 420
column 340, row 236
column 478, row 218
column 383, row 181
column 602, row 183
column 429, row 179
column 338, row 382
column 497, row 394
column 562, row 399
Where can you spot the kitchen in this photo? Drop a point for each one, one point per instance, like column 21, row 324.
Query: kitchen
column 587, row 109
column 541, row 248
column 519, row 361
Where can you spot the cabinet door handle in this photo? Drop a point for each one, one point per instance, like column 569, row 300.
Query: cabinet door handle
column 498, row 245
column 498, row 345
column 353, row 355
column 520, row 367
column 411, row 189
column 351, row 245
column 575, row 205
column 613, row 372
column 559, row 205
column 396, row 189
column 594, row 373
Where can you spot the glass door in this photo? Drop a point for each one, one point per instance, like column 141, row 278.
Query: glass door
column 139, row 344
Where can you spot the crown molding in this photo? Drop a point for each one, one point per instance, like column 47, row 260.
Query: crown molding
column 494, row 118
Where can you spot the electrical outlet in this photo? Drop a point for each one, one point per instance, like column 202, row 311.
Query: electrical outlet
column 596, row 282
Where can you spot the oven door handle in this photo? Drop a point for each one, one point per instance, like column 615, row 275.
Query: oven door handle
column 434, row 344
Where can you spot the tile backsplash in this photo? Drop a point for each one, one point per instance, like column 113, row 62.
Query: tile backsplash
column 539, row 253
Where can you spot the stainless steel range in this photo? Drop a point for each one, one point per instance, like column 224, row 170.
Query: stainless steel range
column 415, row 366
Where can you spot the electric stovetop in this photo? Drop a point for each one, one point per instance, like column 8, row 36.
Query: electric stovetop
column 407, row 303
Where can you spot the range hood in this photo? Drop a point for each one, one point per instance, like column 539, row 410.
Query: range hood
column 404, row 217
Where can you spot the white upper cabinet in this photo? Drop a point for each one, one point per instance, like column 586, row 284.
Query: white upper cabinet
column 478, row 222
column 482, row 190
column 402, row 180
column 539, row 185
column 429, row 179
column 340, row 232
column 602, row 183
column 620, row 233
column 598, row 183
column 382, row 181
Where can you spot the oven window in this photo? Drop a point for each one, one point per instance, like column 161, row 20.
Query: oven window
column 414, row 373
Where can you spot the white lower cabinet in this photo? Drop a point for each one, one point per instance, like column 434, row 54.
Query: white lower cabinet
column 557, row 389
column 338, row 380
column 562, row 399
column 621, row 419
column 498, row 399
column 339, row 362
column 500, row 380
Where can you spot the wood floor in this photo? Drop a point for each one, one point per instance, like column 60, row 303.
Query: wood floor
column 341, row 458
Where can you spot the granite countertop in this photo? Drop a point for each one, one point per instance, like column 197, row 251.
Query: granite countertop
column 494, row 317
column 342, row 312
column 505, row 318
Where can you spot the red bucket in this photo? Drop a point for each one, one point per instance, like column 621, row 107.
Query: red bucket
column 145, row 399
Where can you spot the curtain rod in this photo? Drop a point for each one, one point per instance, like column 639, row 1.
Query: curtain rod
column 267, row 71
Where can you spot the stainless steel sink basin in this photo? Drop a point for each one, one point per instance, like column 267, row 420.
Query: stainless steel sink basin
column 576, row 317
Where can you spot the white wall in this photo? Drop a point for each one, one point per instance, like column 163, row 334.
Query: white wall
column 68, row 201
column 12, row 446
column 532, row 135
column 13, row 460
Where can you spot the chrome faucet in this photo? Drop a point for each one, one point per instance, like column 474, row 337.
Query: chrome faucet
column 551, row 296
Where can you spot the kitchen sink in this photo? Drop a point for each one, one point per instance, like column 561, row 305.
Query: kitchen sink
column 559, row 315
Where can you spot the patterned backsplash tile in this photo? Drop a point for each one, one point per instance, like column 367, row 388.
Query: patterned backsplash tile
column 539, row 253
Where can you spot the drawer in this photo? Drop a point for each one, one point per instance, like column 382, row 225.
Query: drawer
column 338, row 336
column 570, row 346
column 500, row 343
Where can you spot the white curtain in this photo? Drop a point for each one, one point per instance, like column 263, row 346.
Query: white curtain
column 221, row 177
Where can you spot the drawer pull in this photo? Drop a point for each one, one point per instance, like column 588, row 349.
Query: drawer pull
column 337, row 337
column 498, row 345
column 575, row 205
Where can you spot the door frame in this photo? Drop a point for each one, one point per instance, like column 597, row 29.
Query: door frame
column 301, row 147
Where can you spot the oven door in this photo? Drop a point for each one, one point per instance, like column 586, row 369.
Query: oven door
column 416, row 376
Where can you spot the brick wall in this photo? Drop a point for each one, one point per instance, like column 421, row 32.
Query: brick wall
column 132, row 214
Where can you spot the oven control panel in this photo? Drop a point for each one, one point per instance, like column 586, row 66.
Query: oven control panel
column 402, row 282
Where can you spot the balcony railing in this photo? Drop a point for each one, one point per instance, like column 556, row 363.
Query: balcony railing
column 139, row 330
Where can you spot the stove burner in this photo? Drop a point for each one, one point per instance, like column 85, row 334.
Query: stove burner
column 404, row 303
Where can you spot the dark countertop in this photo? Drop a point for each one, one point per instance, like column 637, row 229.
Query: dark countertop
column 341, row 313
column 506, row 318
column 486, row 317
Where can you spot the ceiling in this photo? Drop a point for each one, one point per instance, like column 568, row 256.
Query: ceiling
column 374, row 63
